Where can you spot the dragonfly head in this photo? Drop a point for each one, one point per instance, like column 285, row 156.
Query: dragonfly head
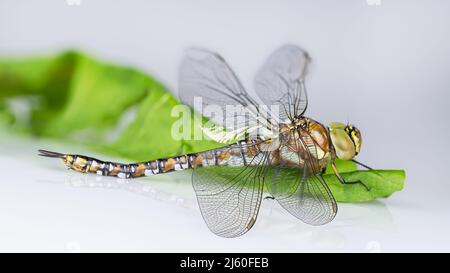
column 346, row 140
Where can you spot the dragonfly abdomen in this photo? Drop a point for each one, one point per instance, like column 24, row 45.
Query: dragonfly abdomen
column 86, row 164
column 217, row 157
column 236, row 155
column 140, row 169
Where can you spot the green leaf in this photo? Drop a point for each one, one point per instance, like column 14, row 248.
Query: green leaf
column 343, row 166
column 382, row 183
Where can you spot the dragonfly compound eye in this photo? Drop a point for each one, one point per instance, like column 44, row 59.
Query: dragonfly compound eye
column 355, row 136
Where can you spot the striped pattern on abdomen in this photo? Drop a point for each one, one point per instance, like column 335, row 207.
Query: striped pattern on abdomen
column 92, row 165
column 238, row 154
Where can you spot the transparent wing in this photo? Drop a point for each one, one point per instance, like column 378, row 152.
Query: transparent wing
column 298, row 186
column 209, row 85
column 281, row 81
column 229, row 197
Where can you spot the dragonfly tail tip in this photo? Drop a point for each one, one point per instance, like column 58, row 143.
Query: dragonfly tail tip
column 50, row 154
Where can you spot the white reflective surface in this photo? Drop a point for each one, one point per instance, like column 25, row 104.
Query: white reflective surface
column 45, row 207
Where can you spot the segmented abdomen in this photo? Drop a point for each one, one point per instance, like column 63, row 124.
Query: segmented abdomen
column 238, row 154
column 93, row 165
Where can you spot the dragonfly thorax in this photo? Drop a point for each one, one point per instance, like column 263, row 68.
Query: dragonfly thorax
column 305, row 134
column 337, row 140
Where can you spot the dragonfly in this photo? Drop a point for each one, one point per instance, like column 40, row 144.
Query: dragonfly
column 287, row 155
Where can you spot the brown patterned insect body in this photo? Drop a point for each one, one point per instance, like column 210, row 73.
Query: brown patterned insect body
column 227, row 156
column 305, row 128
column 289, row 161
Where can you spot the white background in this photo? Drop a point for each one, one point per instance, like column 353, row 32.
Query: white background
column 382, row 67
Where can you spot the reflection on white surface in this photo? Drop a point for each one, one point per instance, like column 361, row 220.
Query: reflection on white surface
column 45, row 207
column 144, row 188
column 373, row 214
column 272, row 221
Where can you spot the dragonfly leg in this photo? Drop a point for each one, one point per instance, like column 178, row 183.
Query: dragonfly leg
column 342, row 180
column 269, row 197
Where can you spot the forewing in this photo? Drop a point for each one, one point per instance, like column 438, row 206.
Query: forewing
column 299, row 187
column 229, row 196
column 280, row 81
column 206, row 76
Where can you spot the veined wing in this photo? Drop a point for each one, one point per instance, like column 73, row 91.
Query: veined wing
column 299, row 187
column 281, row 81
column 206, row 81
column 229, row 197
